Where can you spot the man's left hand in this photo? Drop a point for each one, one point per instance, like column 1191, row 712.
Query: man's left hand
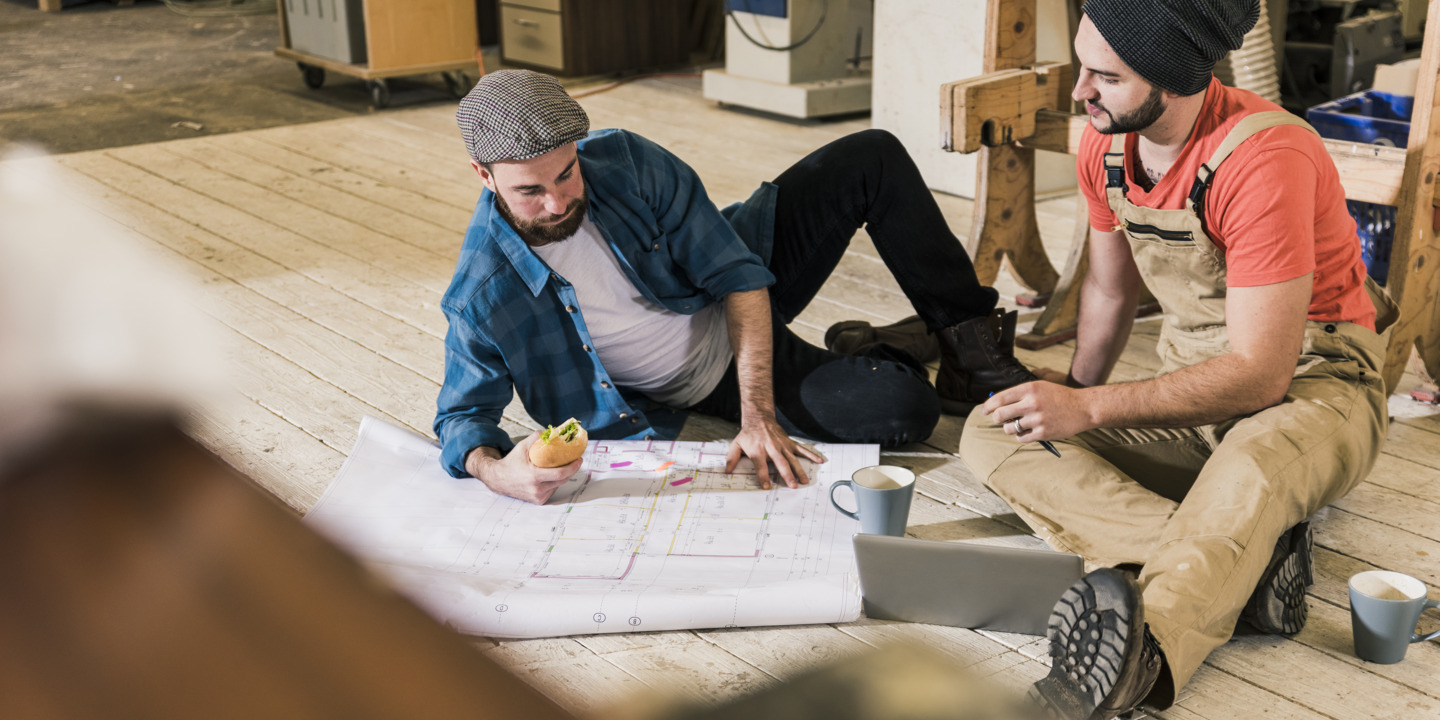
column 1039, row 411
column 765, row 442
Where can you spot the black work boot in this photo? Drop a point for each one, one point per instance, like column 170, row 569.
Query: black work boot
column 1278, row 605
column 977, row 358
column 854, row 337
column 1103, row 659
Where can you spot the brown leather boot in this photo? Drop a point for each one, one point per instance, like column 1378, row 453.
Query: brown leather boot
column 854, row 337
column 977, row 358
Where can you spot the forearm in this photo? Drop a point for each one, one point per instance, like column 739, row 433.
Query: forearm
column 1106, row 319
column 1213, row 391
column 747, row 315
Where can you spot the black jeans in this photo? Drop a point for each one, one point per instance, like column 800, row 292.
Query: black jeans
column 866, row 179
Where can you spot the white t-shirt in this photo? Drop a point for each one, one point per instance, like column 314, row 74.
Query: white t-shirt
column 671, row 358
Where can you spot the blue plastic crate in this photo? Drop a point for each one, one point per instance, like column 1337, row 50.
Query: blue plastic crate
column 1377, row 118
column 1367, row 117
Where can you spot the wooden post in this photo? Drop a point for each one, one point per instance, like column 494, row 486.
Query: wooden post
column 50, row 5
column 1004, row 222
column 1414, row 279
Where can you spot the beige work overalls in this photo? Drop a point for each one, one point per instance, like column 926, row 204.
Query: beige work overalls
column 1201, row 508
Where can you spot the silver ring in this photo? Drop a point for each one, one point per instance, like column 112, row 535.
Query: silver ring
column 1018, row 430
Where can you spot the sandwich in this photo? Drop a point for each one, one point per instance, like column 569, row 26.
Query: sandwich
column 558, row 446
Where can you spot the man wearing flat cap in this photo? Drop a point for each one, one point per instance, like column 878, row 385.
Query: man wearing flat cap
column 1191, row 490
column 598, row 281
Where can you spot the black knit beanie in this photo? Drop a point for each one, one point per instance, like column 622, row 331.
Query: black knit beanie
column 1173, row 43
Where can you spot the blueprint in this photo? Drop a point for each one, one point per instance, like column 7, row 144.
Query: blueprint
column 647, row 536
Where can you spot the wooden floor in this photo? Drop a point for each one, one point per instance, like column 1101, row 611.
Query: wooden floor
column 324, row 250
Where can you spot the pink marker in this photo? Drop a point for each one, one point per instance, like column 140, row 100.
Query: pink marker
column 681, row 482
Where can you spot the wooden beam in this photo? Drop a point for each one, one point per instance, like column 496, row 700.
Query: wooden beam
column 1004, row 226
column 1414, row 280
column 1056, row 131
column 999, row 108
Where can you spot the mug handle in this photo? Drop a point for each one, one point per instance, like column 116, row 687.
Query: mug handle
column 1414, row 637
column 847, row 513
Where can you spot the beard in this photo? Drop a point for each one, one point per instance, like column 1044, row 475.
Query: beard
column 543, row 231
column 1136, row 120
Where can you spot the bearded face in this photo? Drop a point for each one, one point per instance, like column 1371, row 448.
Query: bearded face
column 546, row 230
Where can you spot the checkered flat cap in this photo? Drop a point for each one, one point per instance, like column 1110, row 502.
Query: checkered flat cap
column 517, row 115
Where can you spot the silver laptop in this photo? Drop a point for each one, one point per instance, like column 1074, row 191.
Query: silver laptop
column 962, row 584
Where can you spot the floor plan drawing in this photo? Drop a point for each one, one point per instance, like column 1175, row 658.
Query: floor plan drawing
column 649, row 535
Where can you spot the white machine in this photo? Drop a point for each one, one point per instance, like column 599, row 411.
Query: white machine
column 801, row 58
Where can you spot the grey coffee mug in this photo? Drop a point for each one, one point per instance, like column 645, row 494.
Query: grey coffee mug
column 1385, row 608
column 882, row 497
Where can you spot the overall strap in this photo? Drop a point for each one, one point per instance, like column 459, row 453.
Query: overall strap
column 1115, row 164
column 1248, row 126
column 1115, row 186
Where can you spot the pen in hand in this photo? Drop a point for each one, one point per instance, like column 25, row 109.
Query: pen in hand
column 1043, row 443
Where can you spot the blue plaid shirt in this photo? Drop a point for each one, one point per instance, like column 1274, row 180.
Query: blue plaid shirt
column 516, row 324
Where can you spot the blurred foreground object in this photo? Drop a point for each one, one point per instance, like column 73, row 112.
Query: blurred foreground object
column 86, row 315
column 141, row 577
column 896, row 682
column 144, row 578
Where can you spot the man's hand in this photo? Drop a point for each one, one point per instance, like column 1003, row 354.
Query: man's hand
column 1044, row 411
column 514, row 475
column 765, row 442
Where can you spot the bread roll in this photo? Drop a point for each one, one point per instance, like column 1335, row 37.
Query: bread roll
column 559, row 446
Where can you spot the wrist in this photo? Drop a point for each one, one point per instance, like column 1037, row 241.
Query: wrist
column 479, row 461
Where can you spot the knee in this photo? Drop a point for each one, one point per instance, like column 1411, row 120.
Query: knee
column 873, row 146
column 861, row 400
column 984, row 446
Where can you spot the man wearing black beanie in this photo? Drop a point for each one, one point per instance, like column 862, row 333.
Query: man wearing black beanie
column 1191, row 490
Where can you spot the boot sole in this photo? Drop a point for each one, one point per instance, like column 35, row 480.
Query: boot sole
column 1279, row 606
column 1095, row 632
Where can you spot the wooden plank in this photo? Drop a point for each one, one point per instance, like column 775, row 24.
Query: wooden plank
column 423, row 268
column 347, row 149
column 396, row 391
column 999, row 108
column 585, row 686
column 406, row 345
column 392, row 199
column 1381, row 545
column 1402, row 511
column 1328, row 630
column 1214, row 693
column 784, row 652
column 421, row 233
column 699, row 672
column 322, row 410
column 281, row 458
column 1009, row 35
column 966, row 647
column 375, row 287
column 1325, row 686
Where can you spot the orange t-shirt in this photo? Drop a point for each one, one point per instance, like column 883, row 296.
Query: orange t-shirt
column 1275, row 207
